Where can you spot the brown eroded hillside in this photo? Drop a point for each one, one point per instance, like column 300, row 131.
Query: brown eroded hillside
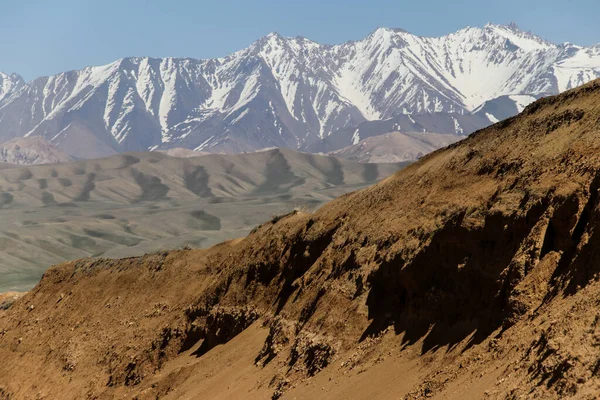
column 469, row 274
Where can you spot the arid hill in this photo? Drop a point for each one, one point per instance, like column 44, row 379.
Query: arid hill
column 183, row 152
column 472, row 273
column 30, row 150
column 396, row 147
column 136, row 203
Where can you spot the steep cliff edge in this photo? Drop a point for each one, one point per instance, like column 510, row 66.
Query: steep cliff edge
column 473, row 272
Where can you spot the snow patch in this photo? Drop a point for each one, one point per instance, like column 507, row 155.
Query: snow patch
column 522, row 101
column 491, row 117
column 239, row 117
column 356, row 136
column 457, row 128
column 204, row 144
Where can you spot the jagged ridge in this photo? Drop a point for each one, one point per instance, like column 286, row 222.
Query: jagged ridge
column 292, row 92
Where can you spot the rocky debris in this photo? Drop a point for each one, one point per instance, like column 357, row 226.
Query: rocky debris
column 280, row 332
column 31, row 150
column 8, row 299
column 310, row 353
column 5, row 394
column 218, row 325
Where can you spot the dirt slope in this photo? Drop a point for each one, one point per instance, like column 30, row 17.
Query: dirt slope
column 470, row 274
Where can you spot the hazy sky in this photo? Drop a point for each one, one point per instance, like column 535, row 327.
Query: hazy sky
column 42, row 37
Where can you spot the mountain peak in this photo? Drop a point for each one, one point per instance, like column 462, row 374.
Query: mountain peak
column 389, row 31
column 523, row 39
column 272, row 39
column 275, row 35
column 512, row 26
column 387, row 36
column 13, row 77
column 9, row 83
column 292, row 92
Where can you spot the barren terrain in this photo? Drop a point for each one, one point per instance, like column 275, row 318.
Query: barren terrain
column 396, row 147
column 472, row 273
column 131, row 204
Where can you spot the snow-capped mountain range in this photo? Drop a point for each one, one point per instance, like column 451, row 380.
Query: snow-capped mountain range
column 293, row 92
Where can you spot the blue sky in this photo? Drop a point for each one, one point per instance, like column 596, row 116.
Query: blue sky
column 42, row 37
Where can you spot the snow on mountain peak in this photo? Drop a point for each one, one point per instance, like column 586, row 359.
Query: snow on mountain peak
column 288, row 92
column 274, row 35
column 384, row 31
column 524, row 40
column 9, row 83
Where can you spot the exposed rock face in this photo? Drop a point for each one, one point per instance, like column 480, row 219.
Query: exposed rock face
column 29, row 151
column 486, row 249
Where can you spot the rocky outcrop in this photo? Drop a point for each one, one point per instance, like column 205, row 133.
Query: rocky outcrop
column 29, row 151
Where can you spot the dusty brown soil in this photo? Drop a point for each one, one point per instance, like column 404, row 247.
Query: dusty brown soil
column 7, row 299
column 470, row 274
